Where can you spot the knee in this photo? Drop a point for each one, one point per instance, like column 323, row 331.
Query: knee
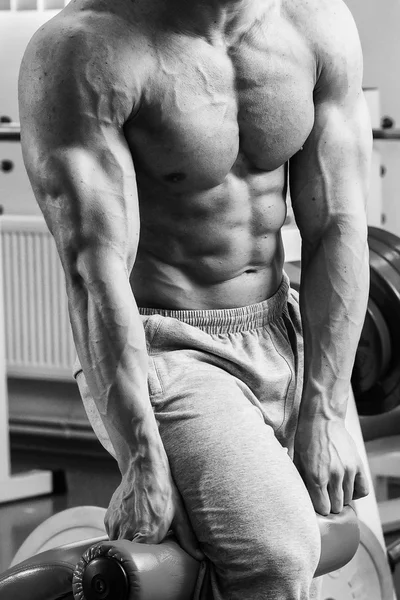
column 291, row 560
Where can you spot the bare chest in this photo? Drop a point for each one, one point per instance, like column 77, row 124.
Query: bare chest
column 203, row 106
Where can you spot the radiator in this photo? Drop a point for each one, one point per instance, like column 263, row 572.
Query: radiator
column 37, row 330
column 38, row 335
column 39, row 5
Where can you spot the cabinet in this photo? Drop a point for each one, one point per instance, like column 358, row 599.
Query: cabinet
column 390, row 213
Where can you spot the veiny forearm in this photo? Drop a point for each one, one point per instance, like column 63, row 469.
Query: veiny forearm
column 333, row 300
column 111, row 346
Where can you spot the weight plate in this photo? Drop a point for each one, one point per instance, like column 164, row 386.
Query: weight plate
column 392, row 259
column 391, row 240
column 387, row 246
column 385, row 292
column 376, row 372
column 373, row 352
column 384, row 341
column 366, row 577
column 383, row 247
column 68, row 526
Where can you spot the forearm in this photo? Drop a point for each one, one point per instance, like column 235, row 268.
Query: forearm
column 333, row 299
column 111, row 346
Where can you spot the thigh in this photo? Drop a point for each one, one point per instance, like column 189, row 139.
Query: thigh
column 238, row 483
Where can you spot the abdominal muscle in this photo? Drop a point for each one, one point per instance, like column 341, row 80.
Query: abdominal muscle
column 215, row 249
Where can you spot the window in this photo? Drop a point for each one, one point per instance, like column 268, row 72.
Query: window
column 15, row 5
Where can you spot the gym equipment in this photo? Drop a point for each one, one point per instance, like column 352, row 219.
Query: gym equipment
column 376, row 374
column 70, row 525
column 384, row 462
column 367, row 576
column 98, row 569
column 373, row 352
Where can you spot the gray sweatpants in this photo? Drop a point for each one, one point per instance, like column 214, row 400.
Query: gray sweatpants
column 225, row 386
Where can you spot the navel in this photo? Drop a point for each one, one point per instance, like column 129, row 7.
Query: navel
column 175, row 177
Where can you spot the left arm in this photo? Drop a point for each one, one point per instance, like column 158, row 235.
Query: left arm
column 329, row 185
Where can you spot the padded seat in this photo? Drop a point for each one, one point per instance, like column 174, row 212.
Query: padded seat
column 99, row 569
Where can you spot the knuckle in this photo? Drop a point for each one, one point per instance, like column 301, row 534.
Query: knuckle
column 321, row 505
column 351, row 471
column 336, row 475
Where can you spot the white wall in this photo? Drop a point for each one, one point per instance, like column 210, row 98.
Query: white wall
column 378, row 22
column 16, row 29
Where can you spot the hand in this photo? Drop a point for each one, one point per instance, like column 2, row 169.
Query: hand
column 327, row 459
column 146, row 505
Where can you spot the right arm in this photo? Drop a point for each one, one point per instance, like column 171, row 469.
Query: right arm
column 83, row 178
column 74, row 102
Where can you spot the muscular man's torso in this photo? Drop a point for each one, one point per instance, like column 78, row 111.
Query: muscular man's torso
column 218, row 120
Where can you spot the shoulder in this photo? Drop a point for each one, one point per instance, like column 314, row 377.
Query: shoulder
column 87, row 53
column 329, row 29
column 87, row 35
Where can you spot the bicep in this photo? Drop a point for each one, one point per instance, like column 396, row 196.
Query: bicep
column 77, row 157
column 90, row 203
column 329, row 176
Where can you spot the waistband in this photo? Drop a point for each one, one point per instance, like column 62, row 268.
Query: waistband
column 231, row 320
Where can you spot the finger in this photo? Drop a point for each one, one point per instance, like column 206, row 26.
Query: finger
column 336, row 495
column 150, row 534
column 186, row 537
column 361, row 486
column 110, row 530
column 348, row 487
column 320, row 499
